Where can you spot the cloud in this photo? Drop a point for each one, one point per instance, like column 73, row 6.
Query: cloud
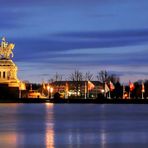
column 102, row 44
column 64, row 35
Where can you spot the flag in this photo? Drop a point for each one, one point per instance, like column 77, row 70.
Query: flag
column 106, row 88
column 90, row 85
column 85, row 87
column 131, row 86
column 143, row 88
column 66, row 88
column 111, row 85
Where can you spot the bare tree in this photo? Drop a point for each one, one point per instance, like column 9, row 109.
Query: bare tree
column 77, row 78
column 113, row 78
column 57, row 77
column 55, row 80
column 88, row 76
column 102, row 76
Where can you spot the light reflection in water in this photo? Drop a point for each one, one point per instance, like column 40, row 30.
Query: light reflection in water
column 9, row 138
column 49, row 129
column 103, row 139
column 73, row 126
column 8, row 135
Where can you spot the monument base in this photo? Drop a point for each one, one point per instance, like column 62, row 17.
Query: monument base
column 8, row 92
column 9, row 83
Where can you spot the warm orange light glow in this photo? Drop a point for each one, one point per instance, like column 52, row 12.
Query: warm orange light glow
column 9, row 138
column 48, row 87
column 102, row 90
column 49, row 105
column 51, row 89
column 125, row 96
column 49, row 135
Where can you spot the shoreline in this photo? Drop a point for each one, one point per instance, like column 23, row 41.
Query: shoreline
column 79, row 101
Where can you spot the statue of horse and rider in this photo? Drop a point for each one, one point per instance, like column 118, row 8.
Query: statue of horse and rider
column 6, row 49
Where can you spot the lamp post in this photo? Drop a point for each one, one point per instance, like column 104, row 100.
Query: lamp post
column 48, row 88
column 51, row 91
column 103, row 92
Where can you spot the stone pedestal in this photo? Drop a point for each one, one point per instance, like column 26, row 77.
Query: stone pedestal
column 9, row 83
column 8, row 73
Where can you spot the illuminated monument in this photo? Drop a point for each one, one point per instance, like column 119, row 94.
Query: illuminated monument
column 8, row 69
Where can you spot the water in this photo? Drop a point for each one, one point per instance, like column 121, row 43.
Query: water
column 73, row 125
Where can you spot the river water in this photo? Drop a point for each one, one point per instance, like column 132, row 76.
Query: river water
column 73, row 125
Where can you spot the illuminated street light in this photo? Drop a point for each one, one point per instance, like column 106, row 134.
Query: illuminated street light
column 102, row 91
column 48, row 88
column 51, row 91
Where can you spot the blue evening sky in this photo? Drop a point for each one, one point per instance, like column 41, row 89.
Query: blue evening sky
column 90, row 35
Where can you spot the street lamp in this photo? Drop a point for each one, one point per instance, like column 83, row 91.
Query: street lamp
column 103, row 92
column 51, row 91
column 48, row 88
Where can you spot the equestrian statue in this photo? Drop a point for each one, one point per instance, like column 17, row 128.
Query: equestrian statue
column 6, row 49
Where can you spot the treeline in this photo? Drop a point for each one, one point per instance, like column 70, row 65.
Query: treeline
column 104, row 77
column 77, row 75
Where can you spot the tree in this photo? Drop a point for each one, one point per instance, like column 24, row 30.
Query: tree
column 113, row 78
column 57, row 77
column 88, row 76
column 77, row 78
column 102, row 76
column 118, row 92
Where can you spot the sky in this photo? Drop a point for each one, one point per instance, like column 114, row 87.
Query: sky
column 88, row 35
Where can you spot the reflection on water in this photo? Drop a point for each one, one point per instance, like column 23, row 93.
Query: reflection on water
column 49, row 125
column 73, row 125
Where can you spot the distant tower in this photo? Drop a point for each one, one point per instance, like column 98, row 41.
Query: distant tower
column 8, row 69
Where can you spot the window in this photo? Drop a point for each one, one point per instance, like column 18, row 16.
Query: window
column 4, row 74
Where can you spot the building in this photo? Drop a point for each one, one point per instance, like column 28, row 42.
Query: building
column 69, row 89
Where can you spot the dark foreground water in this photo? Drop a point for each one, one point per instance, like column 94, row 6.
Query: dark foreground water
column 73, row 125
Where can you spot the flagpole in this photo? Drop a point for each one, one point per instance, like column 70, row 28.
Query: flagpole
column 87, row 88
column 85, row 91
column 123, row 93
column 88, row 94
column 107, row 91
column 129, row 95
column 66, row 96
column 142, row 90
column 142, row 96
column 104, row 91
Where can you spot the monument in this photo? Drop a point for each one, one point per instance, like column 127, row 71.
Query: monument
column 8, row 70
